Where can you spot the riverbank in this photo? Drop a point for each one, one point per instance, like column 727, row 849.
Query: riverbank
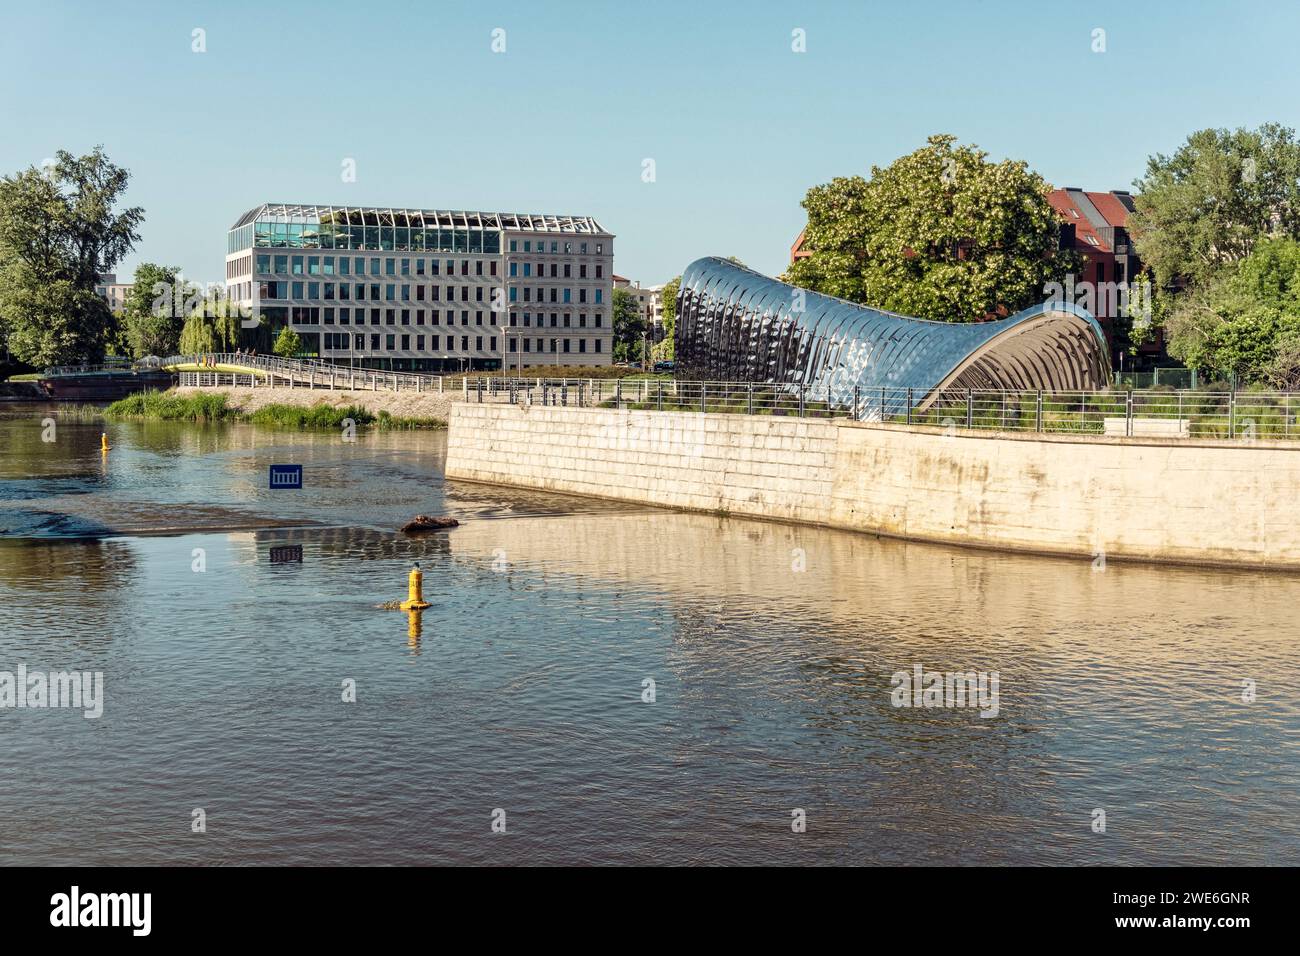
column 1203, row 501
column 409, row 405
column 284, row 408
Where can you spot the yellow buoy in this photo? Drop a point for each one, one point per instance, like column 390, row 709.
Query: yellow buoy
column 103, row 441
column 414, row 590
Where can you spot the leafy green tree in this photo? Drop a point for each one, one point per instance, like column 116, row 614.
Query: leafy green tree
column 288, row 342
column 58, row 231
column 51, row 322
column 667, row 348
column 1206, row 206
column 1245, row 321
column 152, row 318
column 1283, row 369
column 210, row 327
column 941, row 233
column 628, row 325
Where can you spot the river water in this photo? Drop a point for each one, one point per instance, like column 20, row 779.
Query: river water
column 521, row 694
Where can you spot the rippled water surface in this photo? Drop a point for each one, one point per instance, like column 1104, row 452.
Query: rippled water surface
column 521, row 687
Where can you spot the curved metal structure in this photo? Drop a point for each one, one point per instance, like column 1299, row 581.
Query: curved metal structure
column 734, row 324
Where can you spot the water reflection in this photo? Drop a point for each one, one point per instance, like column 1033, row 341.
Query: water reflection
column 770, row 647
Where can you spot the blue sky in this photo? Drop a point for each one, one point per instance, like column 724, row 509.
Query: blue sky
column 738, row 125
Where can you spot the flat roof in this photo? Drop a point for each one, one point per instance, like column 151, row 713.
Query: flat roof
column 424, row 218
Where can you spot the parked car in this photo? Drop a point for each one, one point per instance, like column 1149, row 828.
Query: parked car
column 665, row 366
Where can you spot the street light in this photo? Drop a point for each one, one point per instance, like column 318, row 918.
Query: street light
column 519, row 360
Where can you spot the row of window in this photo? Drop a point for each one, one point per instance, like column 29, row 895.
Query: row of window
column 269, row 264
column 401, row 292
column 235, row 268
column 559, row 270
column 356, row 342
column 559, row 247
column 328, row 235
column 315, row 315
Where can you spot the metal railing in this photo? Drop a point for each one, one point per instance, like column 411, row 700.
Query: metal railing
column 1140, row 413
column 1152, row 413
column 298, row 373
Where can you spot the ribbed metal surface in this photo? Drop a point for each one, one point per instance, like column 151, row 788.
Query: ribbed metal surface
column 734, row 324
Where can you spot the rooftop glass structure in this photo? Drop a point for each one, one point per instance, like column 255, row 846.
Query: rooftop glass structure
column 378, row 229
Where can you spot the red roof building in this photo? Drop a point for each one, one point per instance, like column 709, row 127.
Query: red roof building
column 1096, row 226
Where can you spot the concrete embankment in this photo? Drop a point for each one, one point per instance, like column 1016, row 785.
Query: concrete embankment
column 1177, row 500
column 401, row 404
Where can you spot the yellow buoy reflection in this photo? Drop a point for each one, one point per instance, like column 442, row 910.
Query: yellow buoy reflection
column 413, row 627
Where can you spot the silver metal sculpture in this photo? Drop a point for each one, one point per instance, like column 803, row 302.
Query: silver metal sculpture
column 734, row 324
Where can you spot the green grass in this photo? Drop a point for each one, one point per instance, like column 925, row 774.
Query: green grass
column 386, row 422
column 79, row 412
column 314, row 416
column 25, row 377
column 169, row 407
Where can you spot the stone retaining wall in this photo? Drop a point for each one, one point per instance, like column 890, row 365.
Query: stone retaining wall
column 1216, row 502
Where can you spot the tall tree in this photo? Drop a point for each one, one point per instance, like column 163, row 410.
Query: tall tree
column 668, row 298
column 941, row 233
column 58, row 231
column 152, row 316
column 628, row 324
column 1245, row 321
column 1206, row 206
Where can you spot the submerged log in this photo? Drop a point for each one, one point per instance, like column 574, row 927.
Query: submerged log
column 426, row 523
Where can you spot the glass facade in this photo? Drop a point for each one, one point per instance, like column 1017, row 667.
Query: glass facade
column 368, row 238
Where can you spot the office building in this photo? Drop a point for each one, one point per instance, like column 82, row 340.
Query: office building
column 426, row 290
